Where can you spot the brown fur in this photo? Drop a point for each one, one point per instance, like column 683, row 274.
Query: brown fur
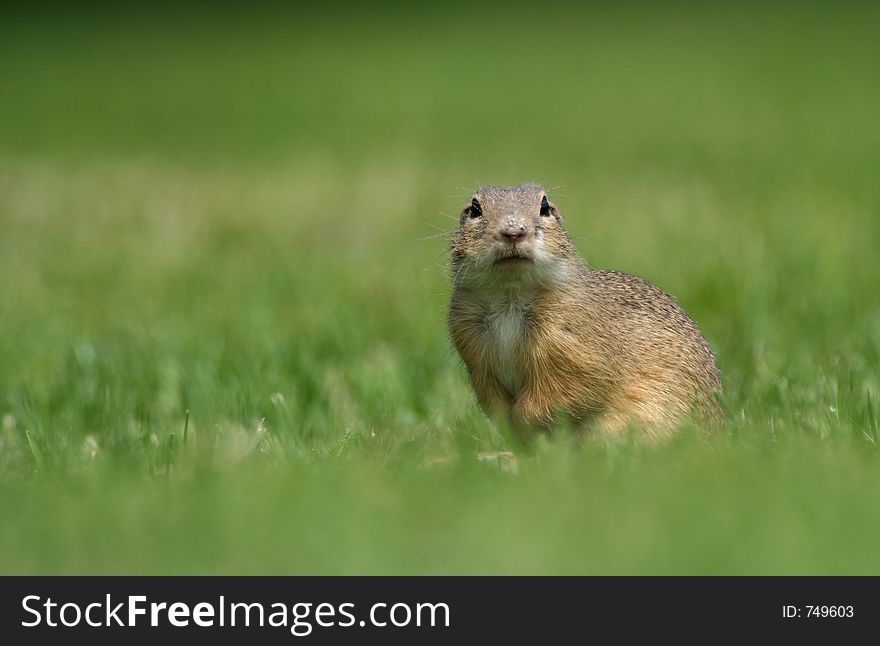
column 546, row 334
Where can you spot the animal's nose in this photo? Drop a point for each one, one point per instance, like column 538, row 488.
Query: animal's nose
column 513, row 233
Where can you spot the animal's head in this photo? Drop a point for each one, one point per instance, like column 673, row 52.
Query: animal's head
column 510, row 235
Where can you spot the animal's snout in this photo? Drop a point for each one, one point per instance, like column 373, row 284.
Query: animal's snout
column 512, row 232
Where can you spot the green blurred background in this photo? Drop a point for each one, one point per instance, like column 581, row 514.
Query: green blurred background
column 223, row 283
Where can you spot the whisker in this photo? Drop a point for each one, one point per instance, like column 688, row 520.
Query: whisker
column 444, row 234
column 460, row 196
column 465, row 265
column 434, row 226
column 467, row 268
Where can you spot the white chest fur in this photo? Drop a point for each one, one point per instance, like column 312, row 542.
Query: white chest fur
column 506, row 328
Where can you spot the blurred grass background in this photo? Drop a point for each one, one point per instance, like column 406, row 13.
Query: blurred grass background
column 222, row 289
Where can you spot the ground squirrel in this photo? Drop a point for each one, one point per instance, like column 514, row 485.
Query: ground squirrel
column 543, row 334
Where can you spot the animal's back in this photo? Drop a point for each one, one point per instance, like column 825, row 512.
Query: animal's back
column 662, row 347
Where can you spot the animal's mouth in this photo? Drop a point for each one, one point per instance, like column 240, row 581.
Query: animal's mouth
column 513, row 258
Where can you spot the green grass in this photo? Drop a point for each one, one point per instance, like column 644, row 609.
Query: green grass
column 222, row 295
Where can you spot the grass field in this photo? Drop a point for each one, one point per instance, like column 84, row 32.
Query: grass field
column 223, row 286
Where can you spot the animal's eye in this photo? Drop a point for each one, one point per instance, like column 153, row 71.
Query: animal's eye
column 545, row 206
column 476, row 209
